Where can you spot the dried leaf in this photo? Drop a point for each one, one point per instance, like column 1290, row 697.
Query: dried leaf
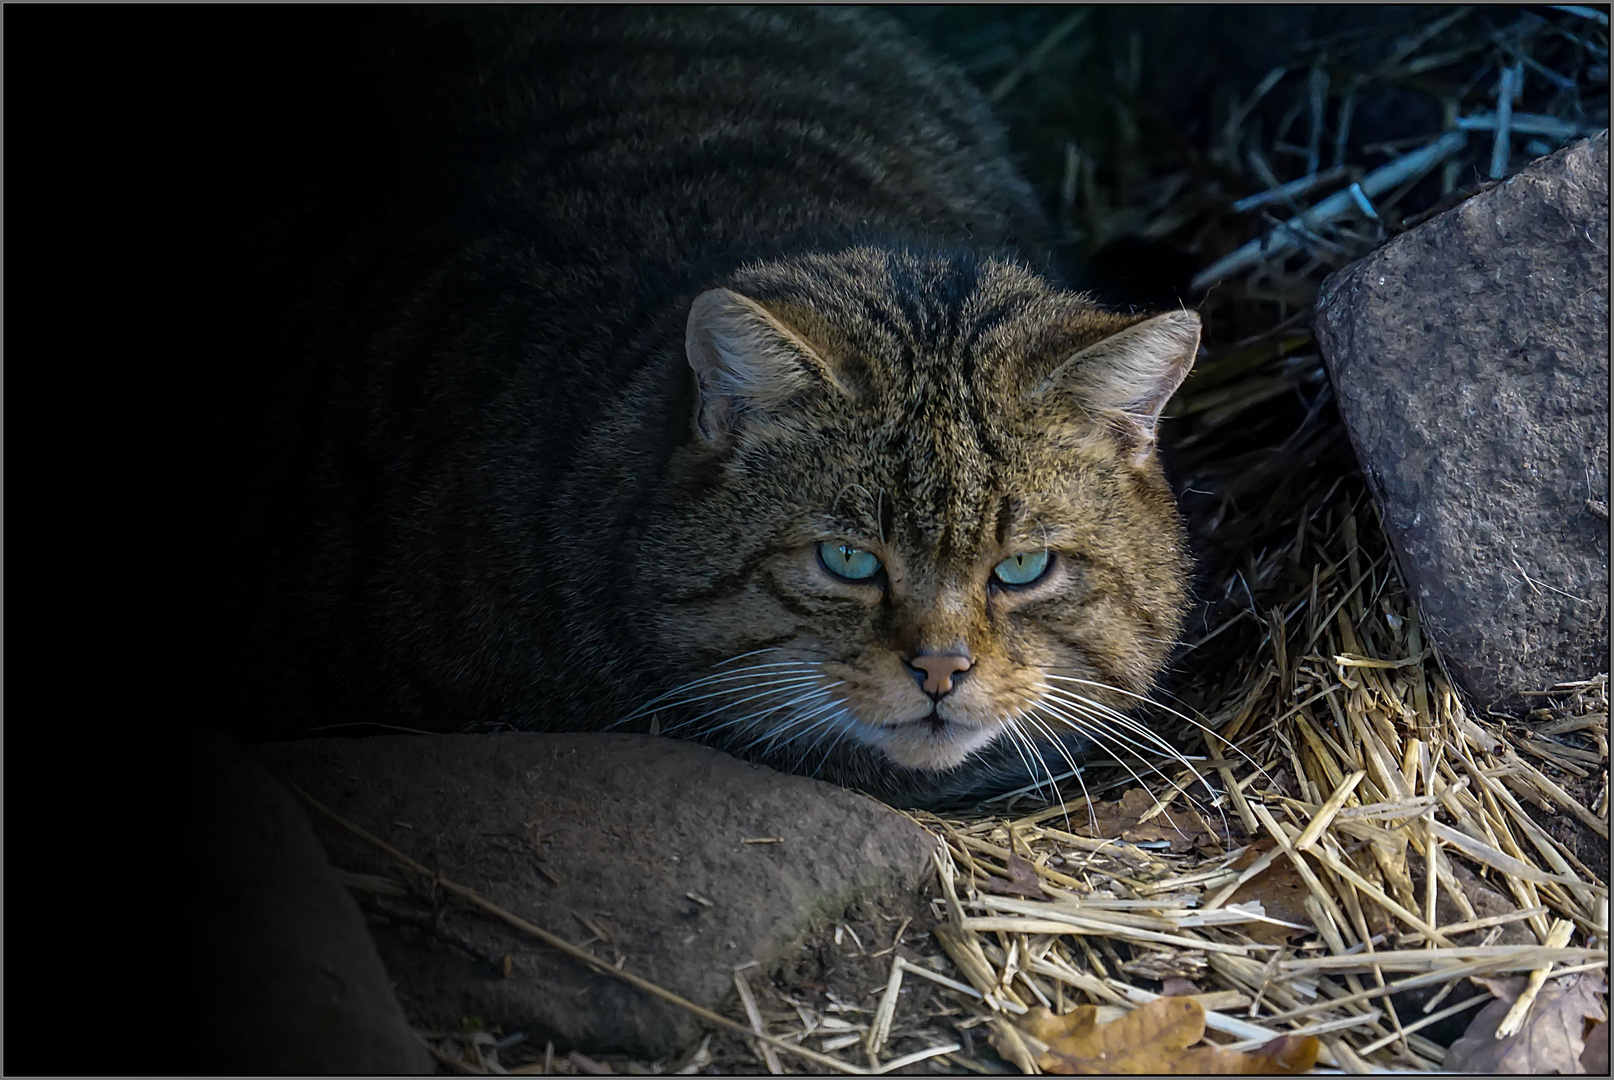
column 1120, row 821
column 1281, row 892
column 1022, row 881
column 1594, row 1061
column 1158, row 1038
column 1506, row 988
column 1552, row 1039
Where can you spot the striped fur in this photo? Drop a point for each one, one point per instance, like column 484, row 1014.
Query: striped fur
column 486, row 496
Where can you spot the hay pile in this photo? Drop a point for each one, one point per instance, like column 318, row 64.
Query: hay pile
column 1308, row 867
column 1346, row 829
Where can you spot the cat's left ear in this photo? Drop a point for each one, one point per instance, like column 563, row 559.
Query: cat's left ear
column 1128, row 377
column 745, row 361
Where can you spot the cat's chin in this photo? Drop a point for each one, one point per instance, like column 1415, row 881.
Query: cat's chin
column 923, row 745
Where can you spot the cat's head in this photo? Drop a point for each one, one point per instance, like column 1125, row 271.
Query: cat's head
column 918, row 510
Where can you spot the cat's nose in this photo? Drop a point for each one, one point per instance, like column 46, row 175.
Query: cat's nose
column 938, row 672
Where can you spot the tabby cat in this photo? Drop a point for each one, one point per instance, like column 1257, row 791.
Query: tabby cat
column 694, row 371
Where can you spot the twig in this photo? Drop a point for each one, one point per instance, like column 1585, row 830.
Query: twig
column 917, row 1056
column 1450, row 1010
column 1036, row 56
column 1285, row 238
column 1599, row 17
column 1325, row 816
column 1292, row 189
column 1507, row 89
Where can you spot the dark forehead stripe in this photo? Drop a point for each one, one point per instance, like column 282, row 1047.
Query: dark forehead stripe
column 1008, row 511
column 940, row 426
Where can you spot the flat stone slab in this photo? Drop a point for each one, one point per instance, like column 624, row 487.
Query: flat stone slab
column 682, row 861
column 1471, row 361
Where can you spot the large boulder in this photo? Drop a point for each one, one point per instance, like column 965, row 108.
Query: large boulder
column 679, row 862
column 281, row 973
column 1471, row 360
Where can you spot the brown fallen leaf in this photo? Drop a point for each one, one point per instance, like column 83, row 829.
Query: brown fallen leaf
column 1594, row 1060
column 1553, row 1037
column 1119, row 821
column 1022, row 881
column 1281, row 891
column 1158, row 1038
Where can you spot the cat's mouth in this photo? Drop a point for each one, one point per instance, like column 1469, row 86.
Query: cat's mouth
column 932, row 742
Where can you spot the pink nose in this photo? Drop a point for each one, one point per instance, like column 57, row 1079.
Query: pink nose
column 939, row 671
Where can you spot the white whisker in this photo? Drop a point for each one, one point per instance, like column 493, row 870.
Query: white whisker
column 1023, row 746
column 718, row 678
column 742, row 656
column 1059, row 746
column 1099, row 728
column 1125, row 723
column 1089, row 731
column 845, row 729
column 1182, row 716
column 1043, row 761
column 772, row 689
column 795, row 721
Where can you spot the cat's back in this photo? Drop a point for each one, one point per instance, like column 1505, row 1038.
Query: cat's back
column 454, row 197
column 669, row 132
column 710, row 127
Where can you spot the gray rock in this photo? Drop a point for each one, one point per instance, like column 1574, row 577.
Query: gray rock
column 590, row 835
column 282, row 972
column 1470, row 356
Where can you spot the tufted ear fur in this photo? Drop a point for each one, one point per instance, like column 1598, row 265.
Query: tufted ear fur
column 1128, row 377
column 745, row 361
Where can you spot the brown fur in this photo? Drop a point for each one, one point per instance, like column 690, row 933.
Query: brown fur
column 643, row 306
column 919, row 433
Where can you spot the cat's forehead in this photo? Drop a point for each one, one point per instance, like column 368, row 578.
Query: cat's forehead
column 911, row 317
column 942, row 350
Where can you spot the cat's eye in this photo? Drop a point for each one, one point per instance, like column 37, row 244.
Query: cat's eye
column 846, row 561
column 1021, row 569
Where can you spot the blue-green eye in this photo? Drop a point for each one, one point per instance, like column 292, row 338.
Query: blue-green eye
column 846, row 561
column 1022, row 569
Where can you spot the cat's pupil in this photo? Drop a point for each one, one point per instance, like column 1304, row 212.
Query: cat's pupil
column 852, row 563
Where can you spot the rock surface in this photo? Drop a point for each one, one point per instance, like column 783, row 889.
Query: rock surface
column 591, row 837
column 1471, row 361
column 282, row 971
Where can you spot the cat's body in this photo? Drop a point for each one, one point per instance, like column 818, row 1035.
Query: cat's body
column 610, row 321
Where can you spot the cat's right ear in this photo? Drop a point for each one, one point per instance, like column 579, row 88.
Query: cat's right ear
column 745, row 361
column 1128, row 377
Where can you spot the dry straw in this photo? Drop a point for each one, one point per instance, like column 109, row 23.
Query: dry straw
column 1336, row 746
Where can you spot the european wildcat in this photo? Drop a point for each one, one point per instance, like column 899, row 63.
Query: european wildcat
column 627, row 363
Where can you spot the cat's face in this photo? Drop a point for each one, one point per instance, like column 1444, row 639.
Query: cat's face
column 919, row 511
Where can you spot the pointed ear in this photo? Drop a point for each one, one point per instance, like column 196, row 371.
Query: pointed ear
column 745, row 361
column 1128, row 377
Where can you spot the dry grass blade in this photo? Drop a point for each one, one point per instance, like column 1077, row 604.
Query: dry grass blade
column 748, row 1002
column 1557, row 938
